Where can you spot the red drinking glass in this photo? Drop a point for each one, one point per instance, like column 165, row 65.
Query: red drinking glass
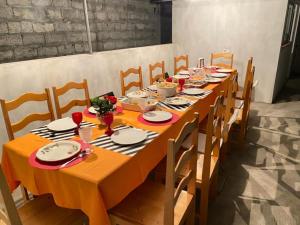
column 181, row 83
column 108, row 119
column 77, row 118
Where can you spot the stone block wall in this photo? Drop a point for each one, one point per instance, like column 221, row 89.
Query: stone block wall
column 31, row 29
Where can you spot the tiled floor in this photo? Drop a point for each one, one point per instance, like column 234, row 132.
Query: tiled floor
column 262, row 181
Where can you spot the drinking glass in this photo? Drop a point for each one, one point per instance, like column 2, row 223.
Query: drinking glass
column 77, row 118
column 85, row 134
column 108, row 119
column 181, row 83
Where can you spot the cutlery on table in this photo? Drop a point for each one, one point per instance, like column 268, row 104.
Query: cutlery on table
column 80, row 155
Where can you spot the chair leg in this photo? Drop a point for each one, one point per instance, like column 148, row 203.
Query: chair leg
column 204, row 204
column 25, row 194
column 213, row 187
column 191, row 218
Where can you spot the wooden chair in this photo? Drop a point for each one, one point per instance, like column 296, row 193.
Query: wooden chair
column 38, row 211
column 241, row 121
column 57, row 92
column 208, row 156
column 131, row 71
column 185, row 66
column 12, row 128
column 241, row 94
column 152, row 68
column 7, row 106
column 223, row 56
column 154, row 203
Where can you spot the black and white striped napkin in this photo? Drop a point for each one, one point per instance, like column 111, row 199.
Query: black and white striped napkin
column 58, row 136
column 105, row 141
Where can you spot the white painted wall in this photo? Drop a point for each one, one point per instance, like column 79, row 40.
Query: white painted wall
column 100, row 69
column 245, row 27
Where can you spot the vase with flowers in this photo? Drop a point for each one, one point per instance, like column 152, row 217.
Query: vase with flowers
column 105, row 106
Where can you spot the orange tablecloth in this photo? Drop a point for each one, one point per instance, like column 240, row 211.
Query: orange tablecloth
column 105, row 178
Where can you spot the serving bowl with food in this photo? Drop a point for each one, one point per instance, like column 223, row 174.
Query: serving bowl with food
column 166, row 89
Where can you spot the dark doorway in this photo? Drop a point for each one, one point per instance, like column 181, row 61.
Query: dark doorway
column 295, row 68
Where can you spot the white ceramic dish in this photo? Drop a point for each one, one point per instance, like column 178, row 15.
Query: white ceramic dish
column 219, row 75
column 157, row 116
column 63, row 124
column 214, row 80
column 58, row 151
column 212, row 67
column 177, row 101
column 193, row 91
column 224, row 70
column 92, row 110
column 181, row 77
column 137, row 94
column 128, row 136
column 184, row 72
column 166, row 89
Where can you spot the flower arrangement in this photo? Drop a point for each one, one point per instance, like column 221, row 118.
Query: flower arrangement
column 104, row 105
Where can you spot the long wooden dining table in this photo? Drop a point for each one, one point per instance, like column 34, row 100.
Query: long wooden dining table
column 105, row 177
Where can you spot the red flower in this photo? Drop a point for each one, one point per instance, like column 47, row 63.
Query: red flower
column 112, row 99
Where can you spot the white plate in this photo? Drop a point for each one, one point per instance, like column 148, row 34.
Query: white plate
column 177, row 101
column 62, row 124
column 128, row 136
column 224, row 70
column 181, row 76
column 157, row 116
column 213, row 80
column 153, row 87
column 219, row 75
column 184, row 72
column 58, row 151
column 137, row 94
column 193, row 91
column 92, row 110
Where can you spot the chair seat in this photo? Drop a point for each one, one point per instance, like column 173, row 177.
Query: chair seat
column 239, row 103
column 145, row 205
column 239, row 114
column 43, row 211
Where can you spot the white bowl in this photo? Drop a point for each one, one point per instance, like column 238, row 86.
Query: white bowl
column 166, row 89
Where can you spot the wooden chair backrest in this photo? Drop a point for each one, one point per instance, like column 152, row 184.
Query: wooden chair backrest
column 226, row 56
column 247, row 100
column 57, row 92
column 131, row 71
column 10, row 216
column 28, row 97
column 185, row 66
column 213, row 137
column 248, row 76
column 158, row 65
column 174, row 170
column 230, row 105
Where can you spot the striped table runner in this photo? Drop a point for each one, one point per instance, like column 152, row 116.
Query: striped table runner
column 174, row 107
column 104, row 141
column 58, row 136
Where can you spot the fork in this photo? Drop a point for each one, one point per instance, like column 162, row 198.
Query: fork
column 80, row 155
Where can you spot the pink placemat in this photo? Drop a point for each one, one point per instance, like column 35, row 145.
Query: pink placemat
column 88, row 114
column 34, row 162
column 174, row 119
